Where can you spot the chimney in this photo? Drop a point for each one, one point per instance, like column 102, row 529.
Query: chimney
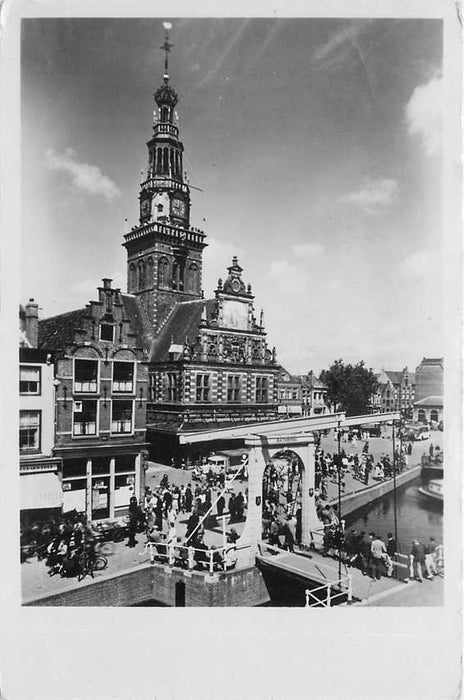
column 32, row 322
column 107, row 282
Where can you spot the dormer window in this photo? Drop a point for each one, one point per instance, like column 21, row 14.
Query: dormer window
column 107, row 332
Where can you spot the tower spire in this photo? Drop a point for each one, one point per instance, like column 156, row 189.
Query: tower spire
column 166, row 48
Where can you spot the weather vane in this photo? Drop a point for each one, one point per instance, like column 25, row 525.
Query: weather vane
column 166, row 46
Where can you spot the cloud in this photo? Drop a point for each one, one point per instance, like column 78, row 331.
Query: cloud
column 86, row 177
column 423, row 114
column 374, row 197
column 417, row 264
column 307, row 250
column 288, row 278
column 341, row 40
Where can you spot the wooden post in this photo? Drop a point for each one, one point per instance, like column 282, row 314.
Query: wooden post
column 328, row 596
column 191, row 560
column 350, row 588
column 307, row 598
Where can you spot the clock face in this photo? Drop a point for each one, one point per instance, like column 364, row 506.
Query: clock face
column 178, row 207
column 235, row 284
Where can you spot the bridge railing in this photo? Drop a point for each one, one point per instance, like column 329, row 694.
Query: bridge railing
column 183, row 556
column 334, row 587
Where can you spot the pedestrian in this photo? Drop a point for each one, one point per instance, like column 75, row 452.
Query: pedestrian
column 220, row 505
column 133, row 521
column 188, row 498
column 289, row 538
column 417, row 560
column 364, row 553
column 430, row 553
column 378, row 555
column 367, row 470
column 232, row 510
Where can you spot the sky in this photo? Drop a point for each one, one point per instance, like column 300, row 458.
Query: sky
column 316, row 148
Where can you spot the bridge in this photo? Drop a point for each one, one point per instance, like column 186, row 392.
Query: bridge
column 266, row 440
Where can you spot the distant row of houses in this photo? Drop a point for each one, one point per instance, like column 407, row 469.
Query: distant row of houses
column 418, row 395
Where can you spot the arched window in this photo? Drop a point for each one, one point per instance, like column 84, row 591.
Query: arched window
column 163, row 272
column 132, row 278
column 177, row 162
column 193, row 279
column 149, row 275
column 171, row 154
column 434, row 415
column 158, row 160
column 175, row 275
column 141, row 275
column 421, row 416
column 165, row 160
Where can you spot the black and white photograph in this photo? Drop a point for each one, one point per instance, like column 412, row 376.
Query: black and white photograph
column 238, row 367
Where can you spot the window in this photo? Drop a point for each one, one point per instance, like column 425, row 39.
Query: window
column 107, row 332
column 294, row 394
column 29, row 380
column 29, row 431
column 233, row 388
column 170, row 387
column 124, row 463
column 192, row 279
column 261, row 389
column 123, row 377
column 85, row 376
column 163, row 272
column 121, row 417
column 141, row 274
column 202, row 386
column 85, row 417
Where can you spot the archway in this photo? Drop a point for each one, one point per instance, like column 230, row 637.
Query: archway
column 421, row 416
column 434, row 415
column 263, row 448
column 282, row 479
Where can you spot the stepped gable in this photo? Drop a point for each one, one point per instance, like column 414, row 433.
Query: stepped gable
column 57, row 331
column 184, row 322
column 133, row 310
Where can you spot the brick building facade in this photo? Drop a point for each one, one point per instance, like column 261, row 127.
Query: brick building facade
column 101, row 381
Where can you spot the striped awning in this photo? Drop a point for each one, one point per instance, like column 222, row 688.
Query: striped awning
column 40, row 491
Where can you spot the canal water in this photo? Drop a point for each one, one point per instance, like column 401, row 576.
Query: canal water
column 417, row 516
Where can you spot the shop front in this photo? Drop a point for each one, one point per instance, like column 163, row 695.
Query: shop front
column 101, row 485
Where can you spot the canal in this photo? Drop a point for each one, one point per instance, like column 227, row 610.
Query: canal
column 417, row 517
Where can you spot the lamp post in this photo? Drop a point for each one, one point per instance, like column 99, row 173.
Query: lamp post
column 339, row 437
column 394, row 486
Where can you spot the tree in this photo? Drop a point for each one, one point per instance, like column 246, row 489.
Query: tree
column 349, row 387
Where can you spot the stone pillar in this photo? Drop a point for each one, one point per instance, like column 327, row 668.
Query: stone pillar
column 309, row 519
column 252, row 531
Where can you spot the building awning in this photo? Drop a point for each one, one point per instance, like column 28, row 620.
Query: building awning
column 40, row 491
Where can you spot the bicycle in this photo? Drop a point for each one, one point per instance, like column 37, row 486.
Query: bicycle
column 89, row 563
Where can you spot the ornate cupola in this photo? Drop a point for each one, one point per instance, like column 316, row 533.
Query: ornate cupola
column 234, row 283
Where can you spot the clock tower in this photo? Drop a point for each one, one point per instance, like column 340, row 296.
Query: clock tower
column 164, row 252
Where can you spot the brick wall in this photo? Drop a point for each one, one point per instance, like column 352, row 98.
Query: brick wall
column 243, row 588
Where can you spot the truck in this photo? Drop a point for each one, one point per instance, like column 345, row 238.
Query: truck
column 226, row 461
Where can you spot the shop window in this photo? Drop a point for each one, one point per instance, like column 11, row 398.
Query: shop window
column 233, row 388
column 85, row 418
column 74, row 468
column 124, row 463
column 202, row 388
column 29, row 380
column 85, row 376
column 29, row 431
column 123, row 377
column 107, row 332
column 121, row 417
column 261, row 389
column 100, row 465
column 74, row 495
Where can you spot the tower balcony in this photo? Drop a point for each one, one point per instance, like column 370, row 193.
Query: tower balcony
column 162, row 182
column 177, row 233
column 165, row 129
